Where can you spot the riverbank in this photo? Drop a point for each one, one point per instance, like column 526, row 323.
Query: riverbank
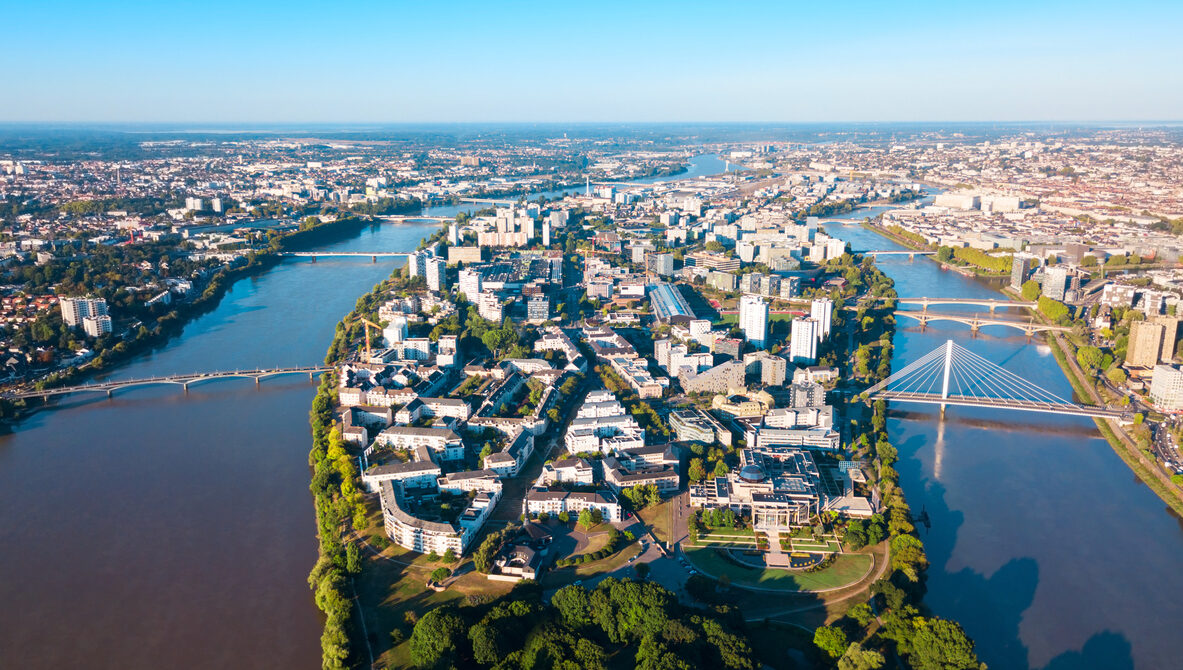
column 1146, row 470
column 174, row 321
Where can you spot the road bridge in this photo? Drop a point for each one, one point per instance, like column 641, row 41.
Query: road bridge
column 910, row 253
column 372, row 255
column 990, row 303
column 975, row 322
column 182, row 380
column 954, row 375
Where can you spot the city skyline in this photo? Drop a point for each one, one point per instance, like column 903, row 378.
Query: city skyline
column 292, row 63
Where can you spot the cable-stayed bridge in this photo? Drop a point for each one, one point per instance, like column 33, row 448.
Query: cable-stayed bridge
column 954, row 375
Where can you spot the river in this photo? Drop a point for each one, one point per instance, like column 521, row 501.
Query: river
column 1043, row 544
column 165, row 529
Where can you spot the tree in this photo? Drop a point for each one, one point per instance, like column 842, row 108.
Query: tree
column 861, row 614
column 831, row 640
column 450, row 555
column 585, row 519
column 485, row 649
column 436, row 639
column 721, row 469
column 1116, row 375
column 945, row 254
column 857, row 658
column 440, row 574
column 1030, row 290
column 1089, row 357
column 937, row 644
column 697, row 472
column 564, row 516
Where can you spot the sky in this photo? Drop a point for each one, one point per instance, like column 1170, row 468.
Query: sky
column 257, row 61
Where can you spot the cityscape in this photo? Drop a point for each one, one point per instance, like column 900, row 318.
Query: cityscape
column 592, row 375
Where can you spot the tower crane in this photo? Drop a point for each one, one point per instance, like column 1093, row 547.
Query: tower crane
column 368, row 324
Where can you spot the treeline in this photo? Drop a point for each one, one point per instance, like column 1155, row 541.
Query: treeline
column 982, row 259
column 385, row 206
column 621, row 623
column 313, row 231
column 915, row 238
column 337, row 504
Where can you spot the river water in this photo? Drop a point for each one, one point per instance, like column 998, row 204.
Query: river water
column 161, row 529
column 1043, row 544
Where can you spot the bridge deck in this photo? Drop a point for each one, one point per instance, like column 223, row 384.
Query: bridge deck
column 1001, row 403
column 184, row 380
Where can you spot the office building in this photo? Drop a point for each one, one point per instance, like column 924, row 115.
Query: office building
column 803, row 342
column 538, row 309
column 1020, row 270
column 1055, row 282
column 753, row 319
column 454, row 235
column 1166, row 388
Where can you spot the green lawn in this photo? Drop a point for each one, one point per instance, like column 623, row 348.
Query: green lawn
column 847, row 569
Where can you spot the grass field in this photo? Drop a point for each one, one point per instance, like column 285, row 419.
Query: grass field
column 847, row 569
column 657, row 518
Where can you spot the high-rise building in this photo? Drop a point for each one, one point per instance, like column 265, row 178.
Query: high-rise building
column 489, row 306
column 662, row 264
column 803, row 341
column 1170, row 334
column 454, row 235
column 395, row 331
column 1055, row 282
column 470, row 284
column 753, row 319
column 1166, row 388
column 822, row 311
column 436, row 270
column 216, row 205
column 1020, row 271
column 74, row 310
column 1145, row 344
column 96, row 326
column 193, row 204
column 546, row 233
column 417, row 264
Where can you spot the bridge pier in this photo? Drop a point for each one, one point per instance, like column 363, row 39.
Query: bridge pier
column 256, row 381
column 373, row 259
column 108, row 393
column 185, row 385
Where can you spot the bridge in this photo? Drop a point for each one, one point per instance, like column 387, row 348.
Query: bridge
column 489, row 201
column 976, row 323
column 977, row 302
column 372, row 255
column 910, row 253
column 183, row 381
column 954, row 375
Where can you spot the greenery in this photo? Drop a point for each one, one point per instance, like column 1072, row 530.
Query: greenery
column 636, row 624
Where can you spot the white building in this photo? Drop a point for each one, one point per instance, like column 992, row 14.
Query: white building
column 470, row 284
column 437, row 274
column 803, row 341
column 489, row 307
column 822, row 311
column 753, row 319
column 423, row 536
column 74, row 310
column 1166, row 388
column 97, row 326
column 539, row 500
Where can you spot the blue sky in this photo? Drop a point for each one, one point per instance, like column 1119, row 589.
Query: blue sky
column 396, row 61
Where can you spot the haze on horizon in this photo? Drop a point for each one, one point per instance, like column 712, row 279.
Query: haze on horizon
column 295, row 62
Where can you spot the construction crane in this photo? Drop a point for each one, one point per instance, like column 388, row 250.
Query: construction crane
column 368, row 325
